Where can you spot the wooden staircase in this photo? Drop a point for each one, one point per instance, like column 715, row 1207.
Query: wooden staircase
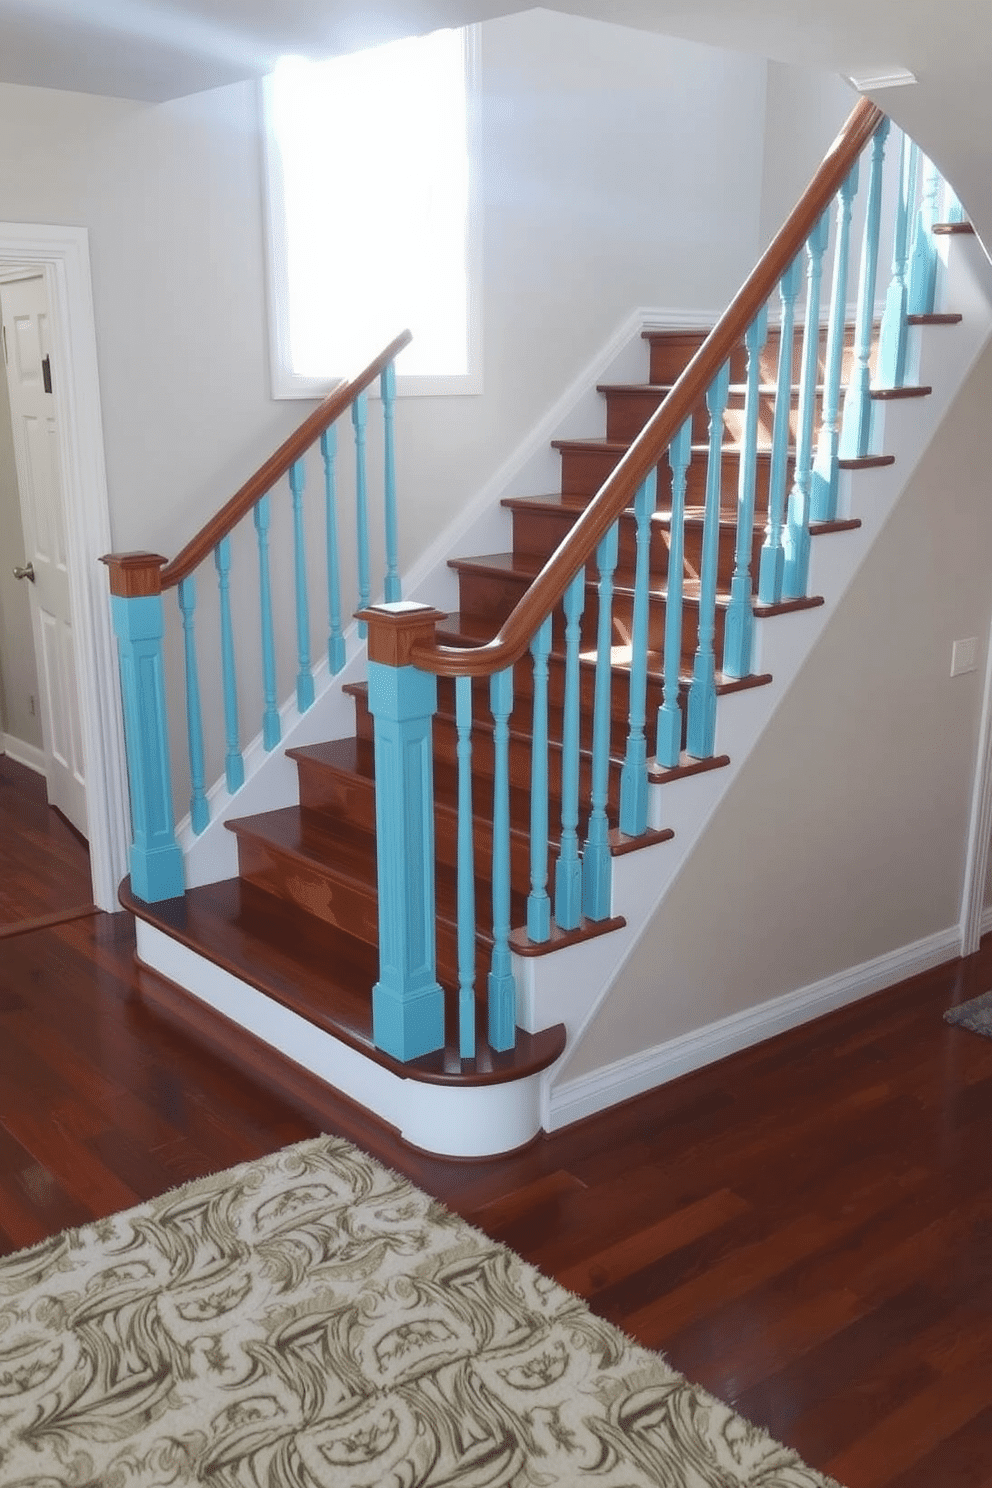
column 289, row 948
column 300, row 924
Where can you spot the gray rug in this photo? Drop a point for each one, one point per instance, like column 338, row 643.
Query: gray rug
column 975, row 1014
column 314, row 1321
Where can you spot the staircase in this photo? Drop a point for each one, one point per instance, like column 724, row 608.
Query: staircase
column 289, row 948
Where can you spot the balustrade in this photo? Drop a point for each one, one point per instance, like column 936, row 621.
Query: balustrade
column 594, row 759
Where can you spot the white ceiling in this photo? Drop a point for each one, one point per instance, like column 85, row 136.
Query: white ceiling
column 159, row 49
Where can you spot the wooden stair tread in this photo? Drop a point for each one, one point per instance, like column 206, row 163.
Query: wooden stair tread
column 320, row 973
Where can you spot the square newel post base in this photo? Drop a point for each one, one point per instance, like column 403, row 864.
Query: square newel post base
column 156, row 859
column 407, row 1000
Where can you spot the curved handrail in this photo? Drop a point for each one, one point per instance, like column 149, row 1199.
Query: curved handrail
column 617, row 491
column 276, row 466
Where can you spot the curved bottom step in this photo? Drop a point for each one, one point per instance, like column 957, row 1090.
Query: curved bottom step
column 474, row 1108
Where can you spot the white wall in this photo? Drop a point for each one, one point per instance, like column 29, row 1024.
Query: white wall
column 843, row 836
column 805, row 109
column 18, row 675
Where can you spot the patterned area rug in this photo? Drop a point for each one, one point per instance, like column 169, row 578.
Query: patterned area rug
column 975, row 1014
column 314, row 1321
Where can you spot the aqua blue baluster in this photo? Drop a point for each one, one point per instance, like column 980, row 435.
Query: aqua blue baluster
column 568, row 869
column 823, row 490
column 669, row 740
column 892, row 337
column 335, row 639
column 772, row 564
column 359, row 420
column 634, row 775
column 538, row 902
column 234, row 765
column 304, row 677
column 701, row 707
column 597, row 866
column 855, row 429
column 923, row 254
column 795, row 576
column 155, row 858
column 502, row 986
column 199, row 811
column 270, row 716
column 739, row 626
column 387, row 388
column 466, row 872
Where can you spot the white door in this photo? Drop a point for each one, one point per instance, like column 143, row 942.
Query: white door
column 31, row 381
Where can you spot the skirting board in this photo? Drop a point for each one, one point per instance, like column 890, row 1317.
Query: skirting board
column 23, row 753
column 985, row 923
column 587, row 1094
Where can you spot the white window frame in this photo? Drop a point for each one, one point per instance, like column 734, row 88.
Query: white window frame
column 288, row 383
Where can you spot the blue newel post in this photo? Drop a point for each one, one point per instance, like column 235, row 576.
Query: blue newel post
column 407, row 1000
column 136, row 607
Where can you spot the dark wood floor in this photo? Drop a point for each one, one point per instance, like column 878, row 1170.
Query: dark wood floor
column 59, row 878
column 805, row 1228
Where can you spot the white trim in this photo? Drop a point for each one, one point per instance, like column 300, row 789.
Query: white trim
column 883, row 77
column 587, row 1094
column 24, row 753
column 976, row 860
column 985, row 920
column 451, row 1120
column 63, row 253
column 287, row 384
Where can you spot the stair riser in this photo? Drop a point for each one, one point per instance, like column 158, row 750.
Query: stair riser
column 491, row 598
column 670, row 352
column 519, row 754
column 523, row 691
column 352, row 799
column 628, row 412
column 537, row 533
column 583, row 472
column 348, row 904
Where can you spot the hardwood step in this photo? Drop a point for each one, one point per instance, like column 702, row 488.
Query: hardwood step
column 629, row 406
column 541, row 523
column 324, row 976
column 587, row 463
column 671, row 352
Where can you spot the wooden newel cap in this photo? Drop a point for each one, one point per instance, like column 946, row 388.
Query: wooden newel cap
column 395, row 629
column 133, row 575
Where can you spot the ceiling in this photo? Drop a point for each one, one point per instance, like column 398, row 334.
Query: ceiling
column 154, row 50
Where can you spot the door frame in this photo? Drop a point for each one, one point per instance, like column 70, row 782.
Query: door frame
column 63, row 255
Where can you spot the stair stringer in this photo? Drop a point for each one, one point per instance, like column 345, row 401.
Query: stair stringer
column 571, row 986
column 483, row 526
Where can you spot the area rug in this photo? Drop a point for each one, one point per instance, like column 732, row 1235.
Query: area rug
column 313, row 1321
column 975, row 1014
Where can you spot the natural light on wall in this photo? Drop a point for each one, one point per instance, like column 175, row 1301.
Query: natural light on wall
column 369, row 212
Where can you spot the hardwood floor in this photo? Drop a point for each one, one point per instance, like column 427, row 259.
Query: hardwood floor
column 805, row 1228
column 31, row 833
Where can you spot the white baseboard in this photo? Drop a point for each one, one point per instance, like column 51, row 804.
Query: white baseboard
column 587, row 1094
column 985, row 920
column 23, row 753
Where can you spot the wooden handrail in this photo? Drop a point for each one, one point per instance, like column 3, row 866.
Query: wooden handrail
column 617, row 491
column 276, row 466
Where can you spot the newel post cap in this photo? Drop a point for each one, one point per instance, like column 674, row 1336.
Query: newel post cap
column 134, row 575
column 395, row 629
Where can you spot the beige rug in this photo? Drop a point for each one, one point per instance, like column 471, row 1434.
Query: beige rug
column 313, row 1321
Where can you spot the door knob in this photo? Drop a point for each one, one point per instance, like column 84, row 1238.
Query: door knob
column 27, row 572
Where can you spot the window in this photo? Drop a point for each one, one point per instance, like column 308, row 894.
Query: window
column 370, row 220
